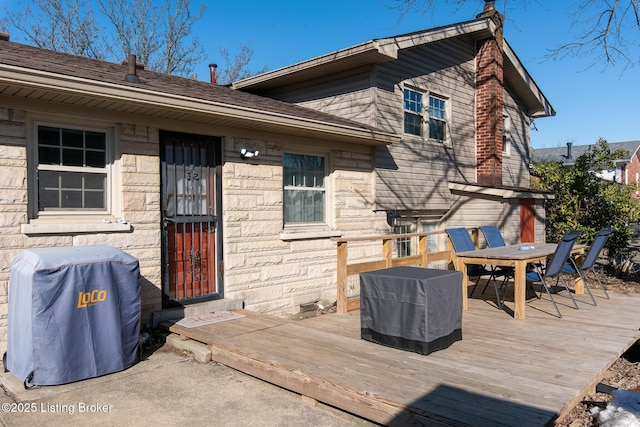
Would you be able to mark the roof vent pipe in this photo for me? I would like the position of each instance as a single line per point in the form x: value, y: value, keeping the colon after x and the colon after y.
x: 4, y: 36
x: 132, y: 75
x: 213, y: 71
x: 569, y: 144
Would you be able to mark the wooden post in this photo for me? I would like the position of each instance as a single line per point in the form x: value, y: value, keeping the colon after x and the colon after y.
x: 387, y: 252
x: 452, y: 255
x: 341, y: 299
x: 424, y: 256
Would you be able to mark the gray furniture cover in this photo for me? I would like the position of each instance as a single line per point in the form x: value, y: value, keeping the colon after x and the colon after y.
x: 74, y: 313
x: 410, y: 308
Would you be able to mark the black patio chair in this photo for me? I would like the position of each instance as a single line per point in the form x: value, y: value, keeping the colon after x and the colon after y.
x: 461, y: 242
x: 554, y: 269
x: 589, y: 262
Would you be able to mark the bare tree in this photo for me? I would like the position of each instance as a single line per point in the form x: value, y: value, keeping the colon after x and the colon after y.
x: 605, y: 30
x: 238, y: 68
x: 159, y: 34
x: 66, y: 26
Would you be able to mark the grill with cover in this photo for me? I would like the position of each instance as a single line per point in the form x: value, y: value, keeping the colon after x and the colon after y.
x: 74, y: 313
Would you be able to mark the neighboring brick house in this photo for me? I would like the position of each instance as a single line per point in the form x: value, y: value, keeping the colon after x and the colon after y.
x: 462, y: 102
x: 626, y: 169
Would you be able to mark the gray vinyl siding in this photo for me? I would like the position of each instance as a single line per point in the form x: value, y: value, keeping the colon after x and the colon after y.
x: 476, y: 211
x: 541, y: 217
x: 515, y: 167
x: 347, y: 95
x: 413, y: 175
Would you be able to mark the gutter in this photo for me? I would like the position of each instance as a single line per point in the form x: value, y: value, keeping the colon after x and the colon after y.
x: 505, y: 193
x: 47, y: 81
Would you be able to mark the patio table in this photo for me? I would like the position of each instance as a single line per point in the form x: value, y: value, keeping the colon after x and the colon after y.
x: 511, y: 256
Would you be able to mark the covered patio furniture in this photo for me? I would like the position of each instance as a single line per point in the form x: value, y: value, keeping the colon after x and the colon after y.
x: 411, y: 308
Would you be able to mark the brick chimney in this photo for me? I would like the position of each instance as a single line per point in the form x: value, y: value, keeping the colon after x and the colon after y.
x: 489, y: 100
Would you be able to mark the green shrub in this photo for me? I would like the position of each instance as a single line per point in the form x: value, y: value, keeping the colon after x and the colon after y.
x: 584, y: 201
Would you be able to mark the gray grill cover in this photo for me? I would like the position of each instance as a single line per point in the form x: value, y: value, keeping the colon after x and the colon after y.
x: 410, y: 308
x: 74, y: 313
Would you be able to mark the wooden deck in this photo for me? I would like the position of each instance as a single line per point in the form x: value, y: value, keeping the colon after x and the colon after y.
x: 504, y: 372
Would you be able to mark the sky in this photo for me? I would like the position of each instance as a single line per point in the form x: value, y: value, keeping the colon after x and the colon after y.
x: 590, y: 101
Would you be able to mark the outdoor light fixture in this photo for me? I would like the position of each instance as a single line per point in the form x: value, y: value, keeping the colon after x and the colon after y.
x: 393, y: 218
x: 247, y: 154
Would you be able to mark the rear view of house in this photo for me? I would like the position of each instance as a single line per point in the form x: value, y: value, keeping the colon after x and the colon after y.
x: 229, y: 198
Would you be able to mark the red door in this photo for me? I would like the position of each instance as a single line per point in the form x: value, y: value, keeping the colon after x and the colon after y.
x: 527, y: 220
x: 191, y: 226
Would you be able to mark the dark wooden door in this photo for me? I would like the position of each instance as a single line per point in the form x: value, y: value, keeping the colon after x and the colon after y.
x: 191, y: 209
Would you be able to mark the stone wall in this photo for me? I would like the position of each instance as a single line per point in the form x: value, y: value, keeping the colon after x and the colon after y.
x: 267, y: 270
x: 276, y: 274
x: 13, y: 201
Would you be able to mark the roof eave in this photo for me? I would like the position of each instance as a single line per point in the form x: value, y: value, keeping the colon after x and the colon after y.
x: 524, y: 85
x: 364, y: 53
x: 505, y: 193
x: 80, y: 87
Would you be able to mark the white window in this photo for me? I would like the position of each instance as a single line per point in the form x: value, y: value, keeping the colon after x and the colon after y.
x: 431, y: 240
x: 435, y: 114
x: 413, y: 112
x: 72, y: 179
x: 72, y: 169
x: 438, y: 118
x: 506, y: 136
x: 403, y: 244
x: 304, y: 189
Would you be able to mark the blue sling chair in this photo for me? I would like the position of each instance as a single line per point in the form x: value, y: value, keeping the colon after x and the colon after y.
x: 554, y: 269
x: 493, y: 236
x: 461, y: 242
x: 589, y: 262
x: 494, y: 239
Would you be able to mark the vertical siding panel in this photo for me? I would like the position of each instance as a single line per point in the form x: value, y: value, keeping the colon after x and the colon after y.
x: 515, y: 168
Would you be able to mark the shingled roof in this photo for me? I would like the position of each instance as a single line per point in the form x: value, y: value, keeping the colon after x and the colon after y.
x: 568, y: 154
x: 34, y: 73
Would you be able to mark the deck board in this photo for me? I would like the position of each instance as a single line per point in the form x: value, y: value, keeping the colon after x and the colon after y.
x: 503, y: 372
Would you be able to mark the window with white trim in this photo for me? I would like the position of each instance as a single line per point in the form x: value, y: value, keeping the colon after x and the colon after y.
x: 437, y: 118
x: 403, y: 244
x: 304, y: 189
x: 72, y: 169
x: 413, y: 112
x: 506, y: 136
x: 435, y: 115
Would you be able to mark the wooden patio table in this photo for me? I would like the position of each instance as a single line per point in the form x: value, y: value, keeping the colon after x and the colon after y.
x: 511, y: 256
